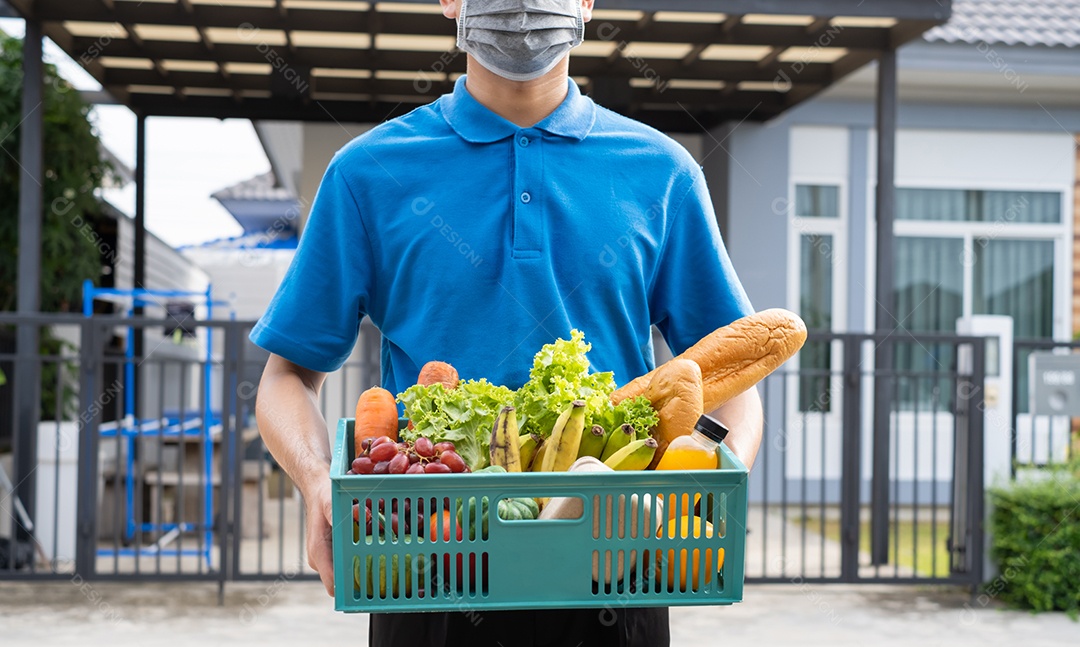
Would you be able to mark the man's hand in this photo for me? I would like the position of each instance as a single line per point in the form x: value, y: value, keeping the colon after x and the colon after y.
x: 294, y: 431
x: 319, y: 526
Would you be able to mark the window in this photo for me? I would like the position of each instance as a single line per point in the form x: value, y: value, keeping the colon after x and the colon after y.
x: 1016, y: 278
x: 1000, y: 261
x: 928, y: 283
x: 817, y: 201
x: 817, y: 221
x: 815, y: 307
x: 955, y: 205
x: 928, y: 297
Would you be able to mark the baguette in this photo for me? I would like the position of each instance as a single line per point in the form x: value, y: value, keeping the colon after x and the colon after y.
x: 675, y: 391
x: 735, y: 357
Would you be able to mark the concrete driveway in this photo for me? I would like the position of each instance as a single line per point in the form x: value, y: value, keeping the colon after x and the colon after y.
x: 290, y: 613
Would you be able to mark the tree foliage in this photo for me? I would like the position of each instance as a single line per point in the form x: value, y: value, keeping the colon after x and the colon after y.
x: 73, y: 171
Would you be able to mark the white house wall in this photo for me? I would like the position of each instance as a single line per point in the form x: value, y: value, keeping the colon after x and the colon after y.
x: 320, y: 142
x: 247, y: 279
x: 984, y: 159
x: 166, y: 268
x: 280, y: 140
x: 819, y: 152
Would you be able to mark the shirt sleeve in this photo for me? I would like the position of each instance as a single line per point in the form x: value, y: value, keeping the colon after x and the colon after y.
x: 314, y: 318
x: 695, y: 289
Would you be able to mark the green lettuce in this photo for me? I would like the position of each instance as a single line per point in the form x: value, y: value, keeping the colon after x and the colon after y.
x: 559, y: 375
x: 638, y: 412
x: 464, y: 416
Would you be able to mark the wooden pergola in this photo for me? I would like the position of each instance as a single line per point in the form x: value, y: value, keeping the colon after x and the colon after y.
x: 676, y: 65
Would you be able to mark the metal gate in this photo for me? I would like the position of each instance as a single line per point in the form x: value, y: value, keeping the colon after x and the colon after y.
x: 151, y: 466
x: 871, y: 465
x: 865, y: 474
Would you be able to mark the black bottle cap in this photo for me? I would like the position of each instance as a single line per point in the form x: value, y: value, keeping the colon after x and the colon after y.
x: 712, y: 428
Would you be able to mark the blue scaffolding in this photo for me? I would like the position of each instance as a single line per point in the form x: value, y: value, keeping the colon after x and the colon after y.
x: 196, y: 425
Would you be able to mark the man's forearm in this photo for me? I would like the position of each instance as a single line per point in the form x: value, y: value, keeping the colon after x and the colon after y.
x: 743, y: 416
x: 291, y: 424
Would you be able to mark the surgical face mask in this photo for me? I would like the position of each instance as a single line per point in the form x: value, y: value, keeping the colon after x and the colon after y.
x: 519, y: 40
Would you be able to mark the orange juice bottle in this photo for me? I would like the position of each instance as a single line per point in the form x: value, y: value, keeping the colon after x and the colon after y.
x: 698, y: 451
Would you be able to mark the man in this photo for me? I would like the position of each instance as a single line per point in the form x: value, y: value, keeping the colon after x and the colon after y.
x: 476, y: 229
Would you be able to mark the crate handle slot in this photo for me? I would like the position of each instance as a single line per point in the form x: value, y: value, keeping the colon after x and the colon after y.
x: 567, y: 509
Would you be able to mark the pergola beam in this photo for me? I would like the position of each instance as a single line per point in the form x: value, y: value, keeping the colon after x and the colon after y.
x: 361, y: 110
x: 411, y: 61
x: 930, y: 10
x: 206, y: 16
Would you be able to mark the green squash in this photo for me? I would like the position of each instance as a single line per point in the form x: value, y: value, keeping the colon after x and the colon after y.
x: 521, y: 509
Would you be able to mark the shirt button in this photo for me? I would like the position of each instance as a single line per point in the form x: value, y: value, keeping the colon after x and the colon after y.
x: 524, y: 141
x: 526, y: 198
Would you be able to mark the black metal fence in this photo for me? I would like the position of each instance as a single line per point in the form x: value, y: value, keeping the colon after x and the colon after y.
x: 152, y: 466
x: 822, y: 511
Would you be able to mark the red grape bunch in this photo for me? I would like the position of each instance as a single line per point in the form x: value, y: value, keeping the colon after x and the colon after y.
x: 384, y: 456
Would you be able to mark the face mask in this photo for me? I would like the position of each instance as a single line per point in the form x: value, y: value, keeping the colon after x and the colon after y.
x: 519, y: 40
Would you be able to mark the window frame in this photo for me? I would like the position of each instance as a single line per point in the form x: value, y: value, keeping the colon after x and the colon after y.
x: 1060, y: 234
x: 837, y: 227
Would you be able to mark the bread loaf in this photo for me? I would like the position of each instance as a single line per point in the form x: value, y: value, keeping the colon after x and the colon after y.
x: 736, y: 357
x: 675, y: 391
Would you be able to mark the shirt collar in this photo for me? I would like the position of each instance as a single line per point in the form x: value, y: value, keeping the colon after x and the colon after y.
x: 475, y: 123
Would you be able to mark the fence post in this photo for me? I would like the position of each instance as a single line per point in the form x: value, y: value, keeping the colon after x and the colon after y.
x: 851, y: 460
x: 236, y: 519
x: 230, y: 459
x: 884, y: 378
x: 976, y: 487
x: 89, y: 419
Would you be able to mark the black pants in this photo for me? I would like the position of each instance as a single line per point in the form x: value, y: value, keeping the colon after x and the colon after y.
x: 551, y: 628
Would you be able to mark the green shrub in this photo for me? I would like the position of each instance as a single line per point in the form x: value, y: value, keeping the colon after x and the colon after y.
x: 1035, y: 542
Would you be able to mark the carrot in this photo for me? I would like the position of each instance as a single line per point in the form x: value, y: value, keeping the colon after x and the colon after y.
x: 438, y: 373
x: 376, y: 415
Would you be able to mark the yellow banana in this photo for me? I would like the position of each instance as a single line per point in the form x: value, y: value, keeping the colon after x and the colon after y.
x: 565, y: 439
x: 551, y: 441
x: 616, y: 440
x: 635, y: 456
x: 538, y: 460
x: 504, y: 441
x: 592, y: 442
x: 528, y: 445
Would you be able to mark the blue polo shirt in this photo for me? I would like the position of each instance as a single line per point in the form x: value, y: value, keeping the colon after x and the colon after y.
x: 468, y: 239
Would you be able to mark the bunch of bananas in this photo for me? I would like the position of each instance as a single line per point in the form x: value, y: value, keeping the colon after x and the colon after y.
x: 529, y: 452
x: 568, y: 442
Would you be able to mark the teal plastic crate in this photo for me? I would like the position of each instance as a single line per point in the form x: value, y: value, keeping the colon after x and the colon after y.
x: 612, y: 556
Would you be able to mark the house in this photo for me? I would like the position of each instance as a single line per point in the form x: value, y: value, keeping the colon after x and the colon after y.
x: 246, y: 269
x: 987, y: 172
